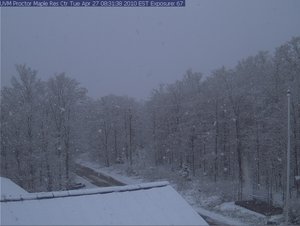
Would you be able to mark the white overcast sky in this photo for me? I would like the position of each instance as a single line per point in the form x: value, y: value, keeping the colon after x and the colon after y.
x: 130, y: 51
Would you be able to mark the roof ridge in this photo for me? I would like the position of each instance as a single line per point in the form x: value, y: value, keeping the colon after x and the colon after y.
x: 92, y: 191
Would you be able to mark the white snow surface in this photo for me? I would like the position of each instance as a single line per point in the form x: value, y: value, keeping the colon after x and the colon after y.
x: 9, y: 188
x: 145, y: 204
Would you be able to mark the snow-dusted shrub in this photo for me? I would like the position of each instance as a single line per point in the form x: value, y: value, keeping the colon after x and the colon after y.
x: 131, y: 172
x: 212, y: 201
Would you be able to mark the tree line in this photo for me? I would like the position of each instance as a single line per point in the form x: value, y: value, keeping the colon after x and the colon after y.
x: 231, y: 125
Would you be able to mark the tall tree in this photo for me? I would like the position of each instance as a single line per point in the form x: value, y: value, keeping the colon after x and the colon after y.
x: 63, y: 95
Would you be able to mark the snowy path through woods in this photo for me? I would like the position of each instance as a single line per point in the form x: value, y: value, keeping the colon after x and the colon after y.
x: 96, y: 178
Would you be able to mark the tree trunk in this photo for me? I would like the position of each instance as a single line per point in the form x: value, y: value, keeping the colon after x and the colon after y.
x: 106, y: 149
x: 239, y: 158
x: 130, y: 137
x: 193, y: 150
x: 295, y: 133
x: 216, y: 142
x: 115, y: 144
x: 257, y: 159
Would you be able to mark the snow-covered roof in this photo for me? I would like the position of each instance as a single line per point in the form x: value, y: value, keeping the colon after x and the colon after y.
x: 145, y: 204
x: 10, y: 189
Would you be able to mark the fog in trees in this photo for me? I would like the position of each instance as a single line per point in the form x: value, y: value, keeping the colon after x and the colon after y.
x: 230, y: 126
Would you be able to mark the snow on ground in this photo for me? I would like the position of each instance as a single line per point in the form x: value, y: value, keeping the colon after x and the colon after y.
x: 226, y: 213
x: 218, y: 218
x: 205, y: 208
x: 221, y: 212
x: 230, y: 206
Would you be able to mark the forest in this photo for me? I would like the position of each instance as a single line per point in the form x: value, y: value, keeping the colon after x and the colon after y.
x: 228, y: 126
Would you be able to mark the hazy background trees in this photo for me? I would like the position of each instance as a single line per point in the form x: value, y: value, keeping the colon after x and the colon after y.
x: 113, y: 129
x: 229, y: 126
x: 233, y: 122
